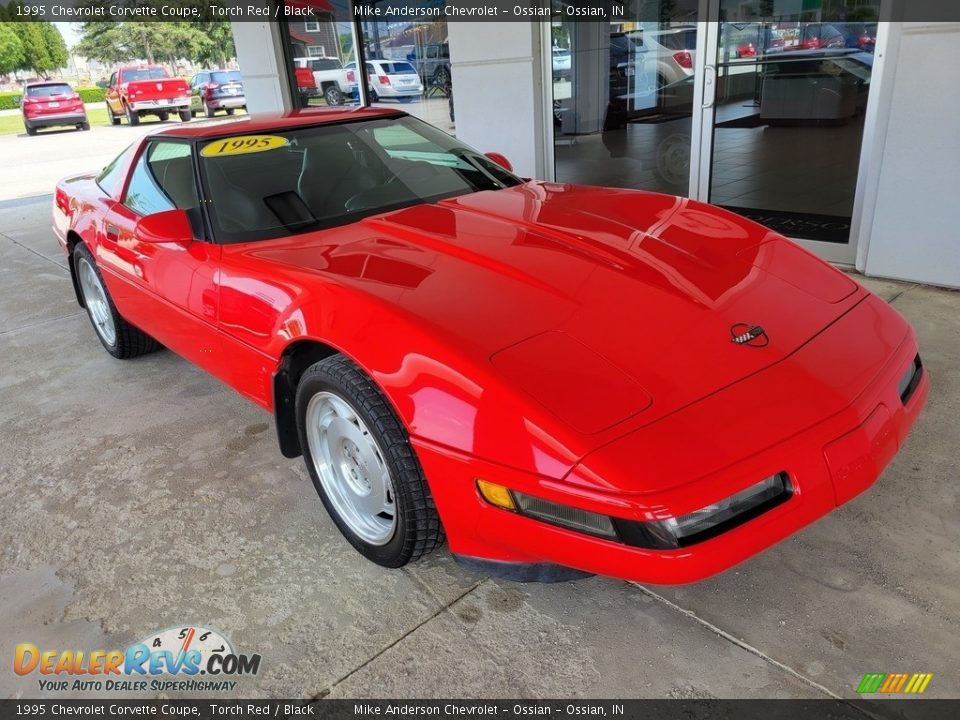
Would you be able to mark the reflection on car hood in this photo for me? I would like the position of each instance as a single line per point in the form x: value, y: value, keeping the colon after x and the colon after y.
x: 644, y: 287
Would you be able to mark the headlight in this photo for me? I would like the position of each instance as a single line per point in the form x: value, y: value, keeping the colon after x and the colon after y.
x: 710, y: 520
x: 668, y: 534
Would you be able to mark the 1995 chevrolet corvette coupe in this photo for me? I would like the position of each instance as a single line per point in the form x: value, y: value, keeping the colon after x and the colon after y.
x: 557, y: 379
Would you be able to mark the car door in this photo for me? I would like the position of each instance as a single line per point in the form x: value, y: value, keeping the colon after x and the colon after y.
x: 171, y: 290
x: 113, y: 96
x: 196, y: 89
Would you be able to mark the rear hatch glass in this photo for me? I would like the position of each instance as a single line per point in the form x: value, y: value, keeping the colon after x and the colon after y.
x: 41, y: 91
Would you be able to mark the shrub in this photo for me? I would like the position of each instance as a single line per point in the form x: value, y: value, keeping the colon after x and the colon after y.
x: 92, y: 94
x: 9, y: 100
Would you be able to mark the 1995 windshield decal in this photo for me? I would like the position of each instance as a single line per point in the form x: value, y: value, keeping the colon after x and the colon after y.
x: 180, y: 651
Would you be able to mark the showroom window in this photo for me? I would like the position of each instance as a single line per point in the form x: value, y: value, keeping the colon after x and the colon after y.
x: 408, y: 65
x: 321, y: 55
x: 776, y: 135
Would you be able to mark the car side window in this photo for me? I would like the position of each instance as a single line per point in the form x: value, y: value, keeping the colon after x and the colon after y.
x: 110, y: 178
x: 370, y: 69
x: 113, y: 79
x: 162, y: 179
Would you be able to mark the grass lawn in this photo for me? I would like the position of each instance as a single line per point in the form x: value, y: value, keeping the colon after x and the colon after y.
x: 13, y: 124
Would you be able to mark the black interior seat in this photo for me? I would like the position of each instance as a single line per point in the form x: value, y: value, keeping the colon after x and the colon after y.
x: 331, y: 175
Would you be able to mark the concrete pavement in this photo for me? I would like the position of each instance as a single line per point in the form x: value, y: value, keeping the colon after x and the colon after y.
x: 142, y: 495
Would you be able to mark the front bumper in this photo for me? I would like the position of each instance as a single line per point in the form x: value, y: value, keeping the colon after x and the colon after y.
x: 830, y: 461
x: 68, y: 118
x: 160, y: 105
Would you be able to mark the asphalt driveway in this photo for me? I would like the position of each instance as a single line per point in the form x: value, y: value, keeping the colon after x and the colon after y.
x: 142, y: 495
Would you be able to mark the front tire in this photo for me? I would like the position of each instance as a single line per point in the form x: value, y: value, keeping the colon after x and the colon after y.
x: 118, y: 337
x: 164, y: 116
x: 362, y: 465
x: 114, y: 120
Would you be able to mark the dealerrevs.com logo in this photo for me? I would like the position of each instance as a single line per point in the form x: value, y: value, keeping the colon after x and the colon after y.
x: 171, y: 660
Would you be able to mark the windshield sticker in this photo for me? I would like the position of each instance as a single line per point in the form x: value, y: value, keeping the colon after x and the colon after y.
x: 243, y: 144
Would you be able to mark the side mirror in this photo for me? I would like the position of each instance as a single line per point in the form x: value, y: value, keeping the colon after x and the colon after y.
x: 169, y: 226
x: 500, y: 160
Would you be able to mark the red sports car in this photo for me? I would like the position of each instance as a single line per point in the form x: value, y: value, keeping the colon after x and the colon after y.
x: 558, y: 379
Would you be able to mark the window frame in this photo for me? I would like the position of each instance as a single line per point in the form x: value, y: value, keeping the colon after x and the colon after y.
x: 142, y: 153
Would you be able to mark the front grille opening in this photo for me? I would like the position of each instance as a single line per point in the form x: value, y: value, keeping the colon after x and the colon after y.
x: 910, y: 380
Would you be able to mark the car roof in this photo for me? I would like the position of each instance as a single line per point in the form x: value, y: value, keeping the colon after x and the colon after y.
x: 266, y: 123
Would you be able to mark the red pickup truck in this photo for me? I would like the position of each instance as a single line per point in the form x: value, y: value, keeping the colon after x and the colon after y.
x: 138, y: 90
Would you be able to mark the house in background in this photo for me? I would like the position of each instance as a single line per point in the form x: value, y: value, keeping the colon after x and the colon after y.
x: 315, y: 38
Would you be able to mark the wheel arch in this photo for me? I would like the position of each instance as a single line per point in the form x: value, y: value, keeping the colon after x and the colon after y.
x: 74, y: 239
x: 295, y: 359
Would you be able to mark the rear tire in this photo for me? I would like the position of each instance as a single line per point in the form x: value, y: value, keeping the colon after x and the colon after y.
x: 230, y: 111
x: 31, y: 131
x: 84, y: 126
x: 133, y: 118
x: 333, y: 95
x: 118, y: 337
x: 185, y: 115
x: 208, y: 111
x: 362, y: 465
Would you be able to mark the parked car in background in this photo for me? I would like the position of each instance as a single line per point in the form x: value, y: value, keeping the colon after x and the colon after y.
x: 433, y: 63
x: 668, y: 55
x: 52, y: 104
x: 561, y: 63
x: 392, y: 79
x: 858, y: 35
x: 138, y: 90
x: 212, y: 90
x: 817, y: 36
x: 334, y: 82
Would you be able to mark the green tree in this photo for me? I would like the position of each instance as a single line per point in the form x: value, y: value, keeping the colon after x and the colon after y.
x: 56, y: 47
x: 11, y: 49
x: 36, y: 57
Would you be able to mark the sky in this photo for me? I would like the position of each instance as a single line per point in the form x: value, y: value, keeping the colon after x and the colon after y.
x: 70, y: 32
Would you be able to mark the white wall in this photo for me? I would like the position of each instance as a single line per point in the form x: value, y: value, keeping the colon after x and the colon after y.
x: 260, y: 57
x: 498, y: 91
x: 911, y: 214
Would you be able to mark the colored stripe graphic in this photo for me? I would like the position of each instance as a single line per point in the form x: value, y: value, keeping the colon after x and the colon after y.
x: 892, y: 683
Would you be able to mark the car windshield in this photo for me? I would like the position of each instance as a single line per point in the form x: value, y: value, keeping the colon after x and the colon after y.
x: 287, y: 182
x: 153, y: 73
x: 398, y: 68
x: 225, y: 77
x: 48, y: 90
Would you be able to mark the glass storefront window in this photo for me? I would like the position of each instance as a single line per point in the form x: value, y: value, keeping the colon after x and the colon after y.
x: 322, y: 54
x: 623, y: 96
x: 408, y: 65
x: 791, y: 95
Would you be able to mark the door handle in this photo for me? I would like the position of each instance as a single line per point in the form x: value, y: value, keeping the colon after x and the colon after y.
x: 709, y: 86
x: 112, y: 232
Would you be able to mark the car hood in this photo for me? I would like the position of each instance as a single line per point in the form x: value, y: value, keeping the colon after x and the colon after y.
x: 601, y: 305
